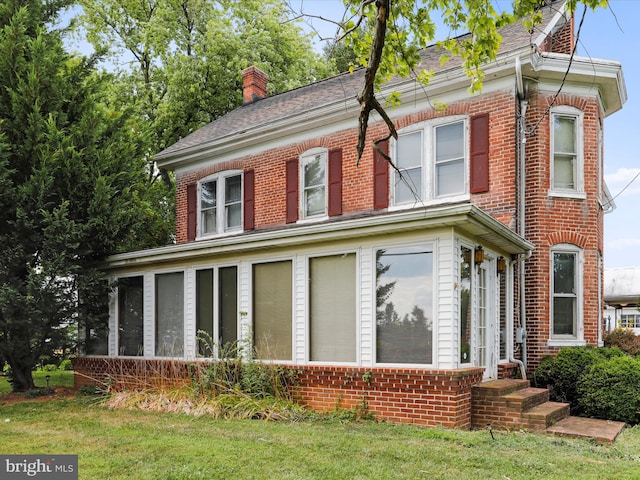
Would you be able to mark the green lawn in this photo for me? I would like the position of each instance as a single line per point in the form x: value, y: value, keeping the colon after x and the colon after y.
x: 59, y: 378
x: 123, y: 444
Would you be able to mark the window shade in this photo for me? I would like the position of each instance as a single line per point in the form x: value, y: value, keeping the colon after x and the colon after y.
x: 332, y: 285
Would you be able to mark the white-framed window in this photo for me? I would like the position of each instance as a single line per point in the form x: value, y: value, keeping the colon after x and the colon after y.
x: 332, y: 308
x: 217, y: 311
x: 220, y: 203
x: 404, y: 304
x: 432, y: 162
x: 169, y: 314
x: 567, y: 162
x: 566, y: 294
x: 131, y: 316
x: 630, y: 320
x: 313, y: 183
x: 272, y: 309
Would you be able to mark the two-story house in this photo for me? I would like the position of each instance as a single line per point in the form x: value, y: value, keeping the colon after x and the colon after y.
x: 475, y: 254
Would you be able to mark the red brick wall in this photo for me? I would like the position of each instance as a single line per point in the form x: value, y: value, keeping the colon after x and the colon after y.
x: 550, y: 220
x: 405, y: 395
x: 553, y: 220
x: 269, y: 166
x: 562, y: 41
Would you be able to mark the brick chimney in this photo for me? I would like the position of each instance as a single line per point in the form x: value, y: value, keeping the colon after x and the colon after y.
x: 562, y: 39
x: 254, y: 84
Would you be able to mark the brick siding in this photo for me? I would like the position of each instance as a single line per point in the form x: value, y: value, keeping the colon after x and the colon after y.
x: 403, y: 395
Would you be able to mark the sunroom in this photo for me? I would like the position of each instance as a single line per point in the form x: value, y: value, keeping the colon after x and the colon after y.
x: 421, y: 288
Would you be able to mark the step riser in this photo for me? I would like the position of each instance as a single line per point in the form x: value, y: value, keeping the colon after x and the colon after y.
x: 513, y: 404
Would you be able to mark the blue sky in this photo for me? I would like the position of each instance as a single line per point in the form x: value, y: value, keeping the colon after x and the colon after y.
x: 610, y: 34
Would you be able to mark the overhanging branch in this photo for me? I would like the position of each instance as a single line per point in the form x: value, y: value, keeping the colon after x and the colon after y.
x: 366, y: 97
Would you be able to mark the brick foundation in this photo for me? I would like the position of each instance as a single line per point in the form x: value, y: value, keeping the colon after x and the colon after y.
x: 404, y: 395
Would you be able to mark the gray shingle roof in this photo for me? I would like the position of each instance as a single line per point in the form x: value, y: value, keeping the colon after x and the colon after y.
x: 344, y: 86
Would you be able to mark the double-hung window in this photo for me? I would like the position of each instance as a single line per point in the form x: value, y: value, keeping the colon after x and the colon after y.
x: 566, y: 293
x: 313, y: 183
x: 431, y: 163
x: 566, y: 152
x: 220, y: 206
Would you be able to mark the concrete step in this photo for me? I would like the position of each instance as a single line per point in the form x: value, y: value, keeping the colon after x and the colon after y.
x: 604, y: 431
x: 541, y: 417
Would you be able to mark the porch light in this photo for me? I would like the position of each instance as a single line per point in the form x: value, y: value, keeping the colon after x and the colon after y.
x: 479, y: 255
x: 501, y: 265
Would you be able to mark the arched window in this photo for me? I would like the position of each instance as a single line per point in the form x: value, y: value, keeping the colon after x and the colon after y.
x: 220, y: 203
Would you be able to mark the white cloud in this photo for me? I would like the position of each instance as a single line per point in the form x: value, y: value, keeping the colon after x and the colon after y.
x: 620, y: 179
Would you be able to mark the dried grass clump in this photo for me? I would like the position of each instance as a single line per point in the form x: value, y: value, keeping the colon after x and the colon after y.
x: 225, y: 406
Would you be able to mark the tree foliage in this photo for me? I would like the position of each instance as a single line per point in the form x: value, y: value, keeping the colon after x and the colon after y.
x: 73, y: 188
x: 396, y: 31
x: 185, y: 57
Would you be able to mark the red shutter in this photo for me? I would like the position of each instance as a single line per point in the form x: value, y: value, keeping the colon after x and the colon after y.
x: 479, y: 169
x: 335, y: 182
x: 192, y: 211
x: 249, y: 200
x: 292, y: 191
x: 381, y: 176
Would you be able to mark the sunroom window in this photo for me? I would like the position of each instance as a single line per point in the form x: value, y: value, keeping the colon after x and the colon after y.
x: 130, y: 316
x: 217, y: 311
x: 169, y: 314
x: 273, y: 310
x: 404, y: 305
x: 332, y: 308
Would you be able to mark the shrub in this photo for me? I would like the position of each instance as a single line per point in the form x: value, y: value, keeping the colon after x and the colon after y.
x: 66, y: 364
x: 50, y: 367
x: 39, y: 392
x: 624, y: 339
x: 611, y: 390
x: 561, y: 373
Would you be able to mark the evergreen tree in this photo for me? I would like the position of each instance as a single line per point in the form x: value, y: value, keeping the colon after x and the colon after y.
x: 72, y: 188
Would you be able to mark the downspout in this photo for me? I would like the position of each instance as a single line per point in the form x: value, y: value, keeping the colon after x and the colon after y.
x: 521, y: 332
x: 521, y: 139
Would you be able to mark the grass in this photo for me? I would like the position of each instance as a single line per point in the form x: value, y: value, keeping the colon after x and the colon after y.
x: 125, y: 444
x: 58, y: 378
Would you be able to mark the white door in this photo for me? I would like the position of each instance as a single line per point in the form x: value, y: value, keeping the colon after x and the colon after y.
x: 484, y: 332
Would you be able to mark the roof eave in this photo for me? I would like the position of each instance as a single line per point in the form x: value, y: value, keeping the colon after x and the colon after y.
x: 466, y: 218
x: 445, y: 81
x: 604, y: 75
